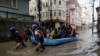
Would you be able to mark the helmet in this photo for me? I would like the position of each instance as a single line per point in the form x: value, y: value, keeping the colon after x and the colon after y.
x: 34, y: 26
x: 12, y: 29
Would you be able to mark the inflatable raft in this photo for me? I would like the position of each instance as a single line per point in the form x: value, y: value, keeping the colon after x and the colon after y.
x: 54, y: 42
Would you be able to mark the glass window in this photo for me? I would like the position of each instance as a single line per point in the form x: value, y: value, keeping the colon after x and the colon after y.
x: 6, y: 2
x: 35, y: 9
x: 63, y: 13
x: 9, y: 3
x: 43, y: 14
x: 46, y: 5
x: 59, y: 2
x: 30, y: 10
x: 14, y: 3
x: 50, y: 13
x: 54, y: 12
x: 59, y: 12
x: 54, y: 1
x: 46, y: 14
x: 43, y: 5
x: 50, y: 2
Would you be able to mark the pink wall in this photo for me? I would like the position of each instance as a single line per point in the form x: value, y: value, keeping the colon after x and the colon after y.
x: 74, y: 13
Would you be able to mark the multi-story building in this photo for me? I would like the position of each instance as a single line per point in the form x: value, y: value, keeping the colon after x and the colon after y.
x: 53, y: 12
x: 33, y: 9
x: 15, y: 10
x: 73, y: 13
x: 85, y: 17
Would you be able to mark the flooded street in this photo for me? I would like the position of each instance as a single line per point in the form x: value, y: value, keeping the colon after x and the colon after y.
x: 82, y: 47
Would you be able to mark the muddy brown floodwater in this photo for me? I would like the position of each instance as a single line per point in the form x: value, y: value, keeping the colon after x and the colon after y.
x: 7, y: 49
x: 78, y: 48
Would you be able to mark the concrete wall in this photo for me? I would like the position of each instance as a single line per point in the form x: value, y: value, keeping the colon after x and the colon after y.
x: 23, y: 7
x: 74, y: 13
x: 18, y: 12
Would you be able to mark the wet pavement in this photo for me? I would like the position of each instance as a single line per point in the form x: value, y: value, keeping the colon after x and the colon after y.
x: 85, y: 46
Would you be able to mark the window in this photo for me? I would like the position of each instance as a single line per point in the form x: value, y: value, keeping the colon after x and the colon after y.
x: 59, y: 12
x: 72, y: 12
x: 59, y: 2
x: 50, y: 13
x: 9, y: 3
x: 43, y: 5
x: 46, y: 5
x: 35, y: 9
x: 14, y: 3
x: 63, y: 13
x: 50, y: 2
x: 54, y: 1
x: 54, y: 12
x: 46, y: 14
x: 30, y: 10
x: 43, y: 14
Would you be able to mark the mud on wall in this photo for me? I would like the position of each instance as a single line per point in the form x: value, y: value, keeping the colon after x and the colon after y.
x: 5, y: 25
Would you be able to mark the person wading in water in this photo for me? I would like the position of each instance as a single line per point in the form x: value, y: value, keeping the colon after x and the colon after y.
x: 17, y: 37
x: 40, y: 39
x: 27, y: 32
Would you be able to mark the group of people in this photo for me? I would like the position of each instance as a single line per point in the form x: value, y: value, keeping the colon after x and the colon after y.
x: 61, y: 32
x: 20, y: 37
x: 39, y: 33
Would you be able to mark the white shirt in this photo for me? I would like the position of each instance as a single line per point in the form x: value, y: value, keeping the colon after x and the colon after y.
x: 36, y: 32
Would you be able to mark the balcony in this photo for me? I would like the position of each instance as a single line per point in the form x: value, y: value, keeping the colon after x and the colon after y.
x: 72, y: 7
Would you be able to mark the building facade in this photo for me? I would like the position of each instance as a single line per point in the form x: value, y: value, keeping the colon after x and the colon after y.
x: 33, y: 9
x: 15, y: 10
x: 85, y: 18
x: 53, y: 12
x: 73, y: 15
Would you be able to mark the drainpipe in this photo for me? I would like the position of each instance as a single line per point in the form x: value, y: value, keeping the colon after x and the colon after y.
x: 93, y: 17
x: 39, y: 9
x: 51, y: 13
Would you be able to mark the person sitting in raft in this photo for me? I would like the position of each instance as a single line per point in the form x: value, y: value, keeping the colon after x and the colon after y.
x: 74, y: 33
x: 52, y: 33
x: 48, y: 33
x: 59, y: 33
x: 17, y: 37
x: 69, y: 31
x: 27, y: 32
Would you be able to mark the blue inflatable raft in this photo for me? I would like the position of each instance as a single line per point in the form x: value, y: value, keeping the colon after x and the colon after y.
x: 54, y: 42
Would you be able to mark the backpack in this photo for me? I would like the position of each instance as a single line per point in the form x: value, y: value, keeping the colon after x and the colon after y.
x: 18, y: 36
